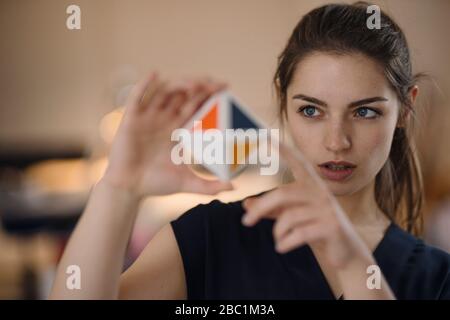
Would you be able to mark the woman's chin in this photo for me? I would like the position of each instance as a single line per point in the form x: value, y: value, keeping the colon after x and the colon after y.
x: 342, y: 188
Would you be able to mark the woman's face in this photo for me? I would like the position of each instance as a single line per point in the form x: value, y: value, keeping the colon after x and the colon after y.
x: 341, y: 108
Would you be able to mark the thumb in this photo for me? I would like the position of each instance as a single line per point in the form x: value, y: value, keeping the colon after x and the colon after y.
x: 196, y: 184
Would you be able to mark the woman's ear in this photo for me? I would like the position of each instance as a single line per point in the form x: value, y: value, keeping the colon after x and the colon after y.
x: 413, y: 92
x: 404, y: 116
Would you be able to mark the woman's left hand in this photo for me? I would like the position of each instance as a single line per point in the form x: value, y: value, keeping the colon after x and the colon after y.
x: 306, y: 212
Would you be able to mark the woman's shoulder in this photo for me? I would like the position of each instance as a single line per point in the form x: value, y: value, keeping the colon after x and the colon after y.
x: 218, y: 224
x: 204, y: 211
x: 421, y: 252
x: 219, y: 210
x: 416, y: 269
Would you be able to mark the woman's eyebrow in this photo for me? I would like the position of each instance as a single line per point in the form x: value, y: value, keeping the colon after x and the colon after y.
x: 351, y: 105
x: 366, y: 101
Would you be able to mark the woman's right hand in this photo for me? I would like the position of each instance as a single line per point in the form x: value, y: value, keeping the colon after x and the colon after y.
x: 140, y: 161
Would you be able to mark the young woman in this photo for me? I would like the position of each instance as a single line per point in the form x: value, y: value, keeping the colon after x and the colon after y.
x: 346, y: 95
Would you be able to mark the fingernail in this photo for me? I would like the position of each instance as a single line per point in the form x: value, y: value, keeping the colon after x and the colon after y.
x: 247, y: 203
x: 229, y: 184
x: 246, y: 220
x: 278, y: 248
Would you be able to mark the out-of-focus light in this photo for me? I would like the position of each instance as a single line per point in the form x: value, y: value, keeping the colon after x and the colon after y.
x: 58, y: 176
x: 97, y: 169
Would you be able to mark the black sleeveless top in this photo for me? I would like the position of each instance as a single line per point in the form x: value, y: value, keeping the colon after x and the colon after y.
x: 223, y: 259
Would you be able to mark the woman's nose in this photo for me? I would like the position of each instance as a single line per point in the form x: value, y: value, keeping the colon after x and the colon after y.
x: 337, y: 138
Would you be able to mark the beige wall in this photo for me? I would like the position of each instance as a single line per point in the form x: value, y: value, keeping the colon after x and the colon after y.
x: 55, y: 83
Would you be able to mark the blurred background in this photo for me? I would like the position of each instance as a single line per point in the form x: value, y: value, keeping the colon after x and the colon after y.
x: 61, y: 93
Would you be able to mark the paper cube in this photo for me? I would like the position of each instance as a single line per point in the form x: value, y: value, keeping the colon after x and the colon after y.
x: 226, y: 150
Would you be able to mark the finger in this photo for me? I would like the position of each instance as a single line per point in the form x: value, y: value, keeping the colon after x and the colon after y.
x: 301, y: 235
x: 247, y: 203
x: 187, y: 110
x: 216, y: 86
x: 158, y: 96
x: 186, y: 90
x: 184, y: 85
x: 195, y: 184
x: 210, y: 83
x: 174, y: 95
x: 271, y: 201
x: 203, y: 90
x: 177, y: 97
x: 207, y: 83
x: 290, y: 218
x: 139, y: 89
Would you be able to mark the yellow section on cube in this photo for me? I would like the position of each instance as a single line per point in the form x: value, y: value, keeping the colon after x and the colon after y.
x: 240, y: 158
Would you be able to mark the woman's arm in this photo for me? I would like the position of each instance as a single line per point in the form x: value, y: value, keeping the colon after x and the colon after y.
x: 306, y: 212
x: 97, y: 245
x: 139, y: 166
x: 353, y: 278
x: 158, y: 273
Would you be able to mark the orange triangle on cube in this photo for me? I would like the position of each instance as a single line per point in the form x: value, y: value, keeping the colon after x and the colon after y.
x: 209, y: 121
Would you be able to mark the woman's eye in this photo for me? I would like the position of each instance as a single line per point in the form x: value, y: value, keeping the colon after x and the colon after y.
x: 367, y: 113
x: 308, y: 111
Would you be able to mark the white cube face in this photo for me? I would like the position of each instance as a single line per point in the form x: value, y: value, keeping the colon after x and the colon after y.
x: 224, y: 136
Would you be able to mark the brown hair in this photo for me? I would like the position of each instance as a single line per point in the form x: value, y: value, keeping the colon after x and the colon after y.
x: 342, y: 29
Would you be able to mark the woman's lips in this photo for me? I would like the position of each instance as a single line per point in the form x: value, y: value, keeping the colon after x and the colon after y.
x: 336, y: 175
